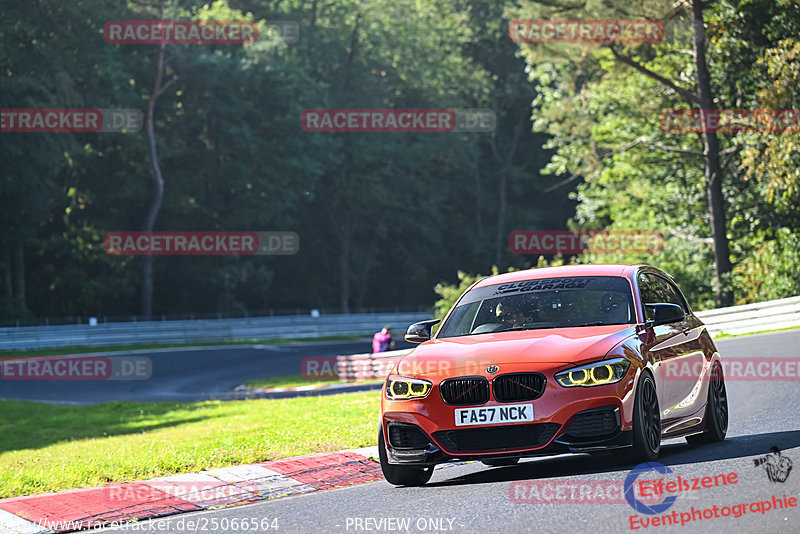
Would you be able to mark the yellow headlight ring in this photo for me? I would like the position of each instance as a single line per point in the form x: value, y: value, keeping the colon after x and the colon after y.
x: 409, y: 393
x: 585, y: 377
x: 605, y: 381
x: 588, y: 376
x: 420, y: 394
x: 398, y: 395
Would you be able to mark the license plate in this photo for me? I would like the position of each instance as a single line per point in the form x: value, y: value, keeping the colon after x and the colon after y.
x: 513, y: 413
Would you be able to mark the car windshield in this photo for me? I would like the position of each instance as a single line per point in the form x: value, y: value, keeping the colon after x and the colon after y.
x: 542, y: 303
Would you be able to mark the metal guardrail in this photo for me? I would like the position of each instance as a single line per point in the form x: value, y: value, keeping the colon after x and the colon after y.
x: 37, y: 337
x: 744, y: 319
x: 774, y: 314
x: 748, y: 318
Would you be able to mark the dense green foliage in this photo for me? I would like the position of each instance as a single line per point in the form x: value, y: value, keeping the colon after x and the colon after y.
x: 382, y: 218
x: 603, y: 119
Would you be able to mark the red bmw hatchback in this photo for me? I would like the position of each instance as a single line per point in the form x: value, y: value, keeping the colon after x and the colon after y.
x: 580, y: 358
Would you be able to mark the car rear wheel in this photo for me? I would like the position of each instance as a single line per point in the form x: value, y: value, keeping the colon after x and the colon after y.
x: 646, y: 421
x: 401, y: 475
x: 500, y: 462
x: 716, y: 411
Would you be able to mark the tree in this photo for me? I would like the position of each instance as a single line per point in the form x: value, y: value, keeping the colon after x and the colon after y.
x: 703, y: 97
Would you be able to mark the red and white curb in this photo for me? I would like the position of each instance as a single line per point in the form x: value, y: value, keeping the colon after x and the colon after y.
x: 229, y: 486
x: 333, y: 386
x: 336, y: 386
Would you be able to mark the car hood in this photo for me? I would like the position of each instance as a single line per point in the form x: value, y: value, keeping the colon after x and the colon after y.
x: 470, y: 355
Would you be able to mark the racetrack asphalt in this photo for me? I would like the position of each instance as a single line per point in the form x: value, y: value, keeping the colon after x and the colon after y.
x: 475, y: 498
x: 190, y: 374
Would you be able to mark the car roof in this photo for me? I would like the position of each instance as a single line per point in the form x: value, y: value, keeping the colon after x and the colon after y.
x: 601, y: 269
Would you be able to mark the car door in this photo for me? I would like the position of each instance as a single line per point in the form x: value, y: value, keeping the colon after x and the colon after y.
x: 678, y: 351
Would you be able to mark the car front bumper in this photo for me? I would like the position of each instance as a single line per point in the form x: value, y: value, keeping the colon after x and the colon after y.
x: 566, y: 420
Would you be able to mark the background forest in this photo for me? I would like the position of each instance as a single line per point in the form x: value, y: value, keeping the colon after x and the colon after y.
x: 384, y: 218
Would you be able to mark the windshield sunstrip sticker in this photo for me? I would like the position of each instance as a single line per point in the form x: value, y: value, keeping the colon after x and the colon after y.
x: 542, y: 285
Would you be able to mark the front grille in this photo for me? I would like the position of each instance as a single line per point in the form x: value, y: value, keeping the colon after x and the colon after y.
x: 596, y: 422
x: 518, y: 387
x: 407, y: 436
x: 496, y: 438
x: 463, y: 391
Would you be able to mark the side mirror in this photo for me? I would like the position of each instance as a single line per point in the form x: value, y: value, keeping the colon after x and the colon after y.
x: 419, y: 332
x: 664, y: 313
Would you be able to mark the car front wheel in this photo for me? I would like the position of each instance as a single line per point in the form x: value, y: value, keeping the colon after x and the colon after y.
x: 401, y: 475
x: 646, y: 421
x: 716, y: 411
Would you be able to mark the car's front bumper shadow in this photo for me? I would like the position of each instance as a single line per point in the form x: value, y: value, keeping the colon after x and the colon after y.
x: 433, y: 455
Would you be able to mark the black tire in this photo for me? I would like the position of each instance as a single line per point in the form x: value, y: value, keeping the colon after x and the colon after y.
x: 646, y: 422
x: 716, y: 411
x: 401, y: 475
x: 500, y: 462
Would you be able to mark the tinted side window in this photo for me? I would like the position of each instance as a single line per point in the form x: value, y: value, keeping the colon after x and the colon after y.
x: 647, y: 289
x: 464, y: 316
x: 670, y: 292
x: 654, y: 288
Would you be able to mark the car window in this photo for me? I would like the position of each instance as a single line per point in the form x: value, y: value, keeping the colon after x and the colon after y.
x: 464, y: 317
x: 544, y: 303
x: 654, y: 288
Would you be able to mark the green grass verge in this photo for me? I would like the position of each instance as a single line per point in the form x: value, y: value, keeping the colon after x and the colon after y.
x: 723, y: 335
x: 293, y: 381
x: 61, y: 351
x: 46, y: 447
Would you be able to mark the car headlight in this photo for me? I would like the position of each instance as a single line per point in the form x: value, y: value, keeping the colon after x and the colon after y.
x: 594, y: 374
x: 401, y: 387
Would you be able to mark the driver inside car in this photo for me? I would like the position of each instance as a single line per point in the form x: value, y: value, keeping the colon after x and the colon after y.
x: 509, y: 315
x: 615, y: 308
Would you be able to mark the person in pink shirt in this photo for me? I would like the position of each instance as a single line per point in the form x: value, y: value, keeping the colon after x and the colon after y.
x: 382, y: 341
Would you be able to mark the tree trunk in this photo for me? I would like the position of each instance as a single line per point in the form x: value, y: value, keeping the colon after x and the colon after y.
x: 713, y: 169
x: 7, y: 284
x: 343, y: 220
x: 19, y: 277
x: 344, y: 273
x: 158, y: 183
x: 478, y: 207
x: 502, y: 202
x: 501, y: 241
x: 367, y: 264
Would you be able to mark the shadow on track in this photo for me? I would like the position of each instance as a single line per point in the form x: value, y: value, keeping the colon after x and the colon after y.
x: 671, y: 454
